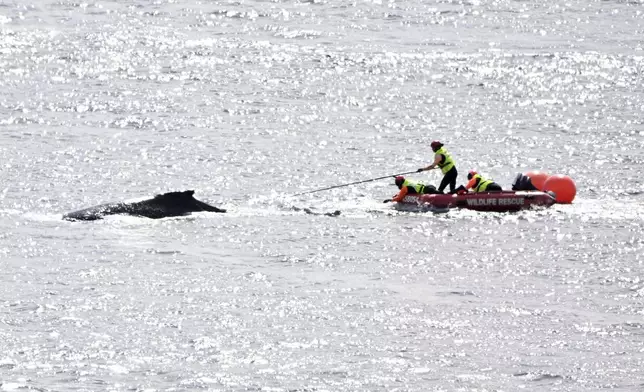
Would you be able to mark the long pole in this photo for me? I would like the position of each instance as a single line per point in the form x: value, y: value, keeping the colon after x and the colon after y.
x: 354, y: 183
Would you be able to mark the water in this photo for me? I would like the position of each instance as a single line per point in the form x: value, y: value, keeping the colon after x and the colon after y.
x: 250, y: 102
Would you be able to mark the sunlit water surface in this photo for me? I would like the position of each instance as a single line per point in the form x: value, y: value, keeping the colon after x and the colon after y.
x: 251, y: 102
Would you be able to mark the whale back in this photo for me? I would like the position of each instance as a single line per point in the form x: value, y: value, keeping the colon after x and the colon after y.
x: 184, y: 200
x: 97, y: 212
x: 161, y: 206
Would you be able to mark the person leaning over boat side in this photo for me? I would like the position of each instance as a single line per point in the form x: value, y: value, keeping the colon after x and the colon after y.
x: 478, y: 183
x: 445, y: 162
x: 410, y: 188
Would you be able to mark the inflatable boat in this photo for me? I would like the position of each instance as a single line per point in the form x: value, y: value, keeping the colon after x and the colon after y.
x: 504, y: 201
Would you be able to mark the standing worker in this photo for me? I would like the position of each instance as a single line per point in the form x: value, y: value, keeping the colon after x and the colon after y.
x: 444, y: 161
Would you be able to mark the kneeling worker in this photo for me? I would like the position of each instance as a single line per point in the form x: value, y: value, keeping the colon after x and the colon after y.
x: 479, y: 184
x: 410, y: 188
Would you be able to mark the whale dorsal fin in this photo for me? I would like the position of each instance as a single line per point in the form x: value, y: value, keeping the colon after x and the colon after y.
x: 180, y: 195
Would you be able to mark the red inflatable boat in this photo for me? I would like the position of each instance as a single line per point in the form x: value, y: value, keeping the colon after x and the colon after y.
x: 504, y: 201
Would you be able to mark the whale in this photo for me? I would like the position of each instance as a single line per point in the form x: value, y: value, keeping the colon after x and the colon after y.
x: 160, y: 206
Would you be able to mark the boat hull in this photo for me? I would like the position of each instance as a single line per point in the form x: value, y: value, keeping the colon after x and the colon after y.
x: 505, y: 201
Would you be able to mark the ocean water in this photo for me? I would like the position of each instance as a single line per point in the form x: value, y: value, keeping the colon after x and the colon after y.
x: 251, y: 102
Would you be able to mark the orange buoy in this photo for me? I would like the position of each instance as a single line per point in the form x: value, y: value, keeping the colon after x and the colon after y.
x: 538, y: 178
x: 563, y: 187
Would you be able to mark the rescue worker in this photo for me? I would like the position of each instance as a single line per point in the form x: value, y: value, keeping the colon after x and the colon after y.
x: 444, y: 161
x: 410, y: 188
x: 478, y: 183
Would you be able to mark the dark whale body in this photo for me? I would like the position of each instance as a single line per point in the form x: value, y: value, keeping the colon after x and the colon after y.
x: 161, y: 206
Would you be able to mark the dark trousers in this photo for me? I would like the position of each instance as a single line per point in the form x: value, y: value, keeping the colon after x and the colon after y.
x: 429, y: 190
x: 494, y: 187
x: 449, y: 179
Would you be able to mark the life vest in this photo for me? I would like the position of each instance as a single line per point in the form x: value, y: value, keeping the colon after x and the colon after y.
x: 447, y: 163
x: 481, y: 183
x: 413, y: 187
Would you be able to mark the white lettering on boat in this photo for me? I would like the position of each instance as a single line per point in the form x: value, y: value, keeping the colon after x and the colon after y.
x: 511, y: 201
x: 502, y: 201
x: 410, y: 199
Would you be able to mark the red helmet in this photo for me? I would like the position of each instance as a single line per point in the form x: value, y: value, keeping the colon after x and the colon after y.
x: 471, y: 174
x: 399, y: 181
x: 436, y: 145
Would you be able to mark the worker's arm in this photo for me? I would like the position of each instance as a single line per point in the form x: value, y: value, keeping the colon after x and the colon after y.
x: 437, y: 160
x: 401, y: 195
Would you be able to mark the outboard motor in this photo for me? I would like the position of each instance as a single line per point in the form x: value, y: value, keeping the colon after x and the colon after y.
x: 523, y: 183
